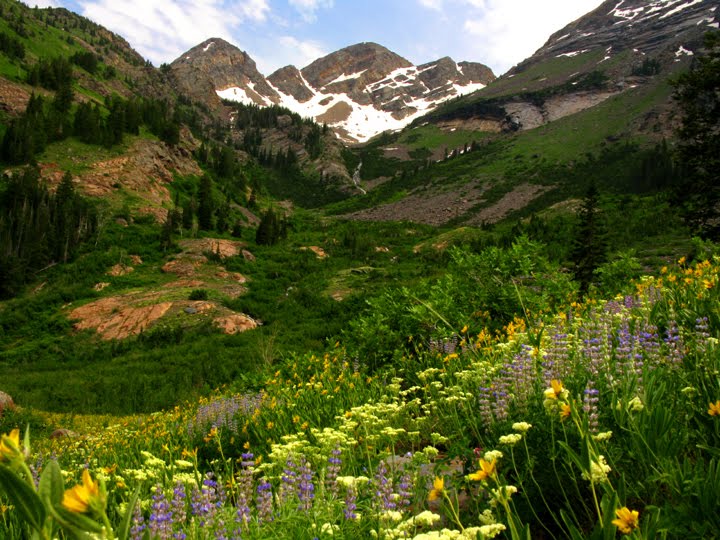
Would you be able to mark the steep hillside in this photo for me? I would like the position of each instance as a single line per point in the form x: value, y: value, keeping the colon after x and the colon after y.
x: 359, y: 91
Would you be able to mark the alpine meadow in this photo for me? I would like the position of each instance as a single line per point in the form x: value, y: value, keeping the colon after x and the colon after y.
x: 363, y: 298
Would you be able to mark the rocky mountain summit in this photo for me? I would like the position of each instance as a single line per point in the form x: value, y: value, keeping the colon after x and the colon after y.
x: 666, y: 29
x: 359, y: 91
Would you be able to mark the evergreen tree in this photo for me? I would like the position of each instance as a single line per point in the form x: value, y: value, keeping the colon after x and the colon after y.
x: 697, y: 93
x: 590, y: 240
x: 268, y: 231
x: 206, y: 205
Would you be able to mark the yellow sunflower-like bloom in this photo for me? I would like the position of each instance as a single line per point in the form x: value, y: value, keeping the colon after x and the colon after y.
x: 438, y: 489
x: 627, y: 521
x: 565, y: 411
x: 487, y: 470
x: 85, y: 496
x: 714, y: 408
x: 10, y: 446
x: 555, y: 391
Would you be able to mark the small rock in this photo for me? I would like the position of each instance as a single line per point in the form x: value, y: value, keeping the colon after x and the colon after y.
x: 191, y: 310
x: 120, y: 270
x: 62, y: 432
x: 122, y: 222
x: 136, y: 260
x: 234, y: 324
x: 248, y: 256
x: 100, y: 286
x: 6, y: 402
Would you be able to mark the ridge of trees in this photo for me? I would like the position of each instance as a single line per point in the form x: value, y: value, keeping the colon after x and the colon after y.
x: 39, y: 228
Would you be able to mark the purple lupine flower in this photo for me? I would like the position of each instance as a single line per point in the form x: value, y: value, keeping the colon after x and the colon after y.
x: 350, y: 502
x: 305, y: 488
x: 204, y: 501
x: 333, y: 470
x: 263, y: 501
x: 161, y: 518
x: 222, y: 413
x: 405, y: 488
x: 178, y: 504
x: 702, y: 333
x: 138, y: 523
x: 556, y: 364
x: 649, y: 343
x: 673, y: 341
x: 245, y: 485
x: 590, y: 406
x: 288, y: 480
x: 484, y: 408
x: 383, y: 488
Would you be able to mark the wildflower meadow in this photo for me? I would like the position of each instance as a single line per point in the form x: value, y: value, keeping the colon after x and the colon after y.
x: 597, y: 419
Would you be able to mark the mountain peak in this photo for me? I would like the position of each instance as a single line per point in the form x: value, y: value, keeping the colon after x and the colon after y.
x: 360, y: 90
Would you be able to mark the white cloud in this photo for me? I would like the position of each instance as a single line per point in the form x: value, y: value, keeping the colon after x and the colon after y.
x: 437, y: 5
x: 504, y: 32
x: 42, y: 3
x: 161, y: 30
x: 307, y: 8
x: 291, y: 51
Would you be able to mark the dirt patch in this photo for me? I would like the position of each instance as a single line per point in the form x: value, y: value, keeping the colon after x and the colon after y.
x: 120, y: 270
x: 112, y: 318
x: 235, y: 324
x: 185, y: 267
x: 145, y: 169
x: 517, y: 199
x: 219, y: 246
x: 339, y: 112
x: 185, y: 283
x: 318, y: 251
x: 471, y: 124
x: 232, y: 276
x: 100, y: 286
x: 398, y: 152
x: 13, y: 97
x: 425, y: 206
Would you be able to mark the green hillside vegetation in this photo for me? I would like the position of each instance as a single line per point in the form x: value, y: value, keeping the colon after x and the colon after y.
x: 549, y: 374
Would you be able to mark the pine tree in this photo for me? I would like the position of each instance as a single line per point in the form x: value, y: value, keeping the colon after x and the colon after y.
x: 590, y: 241
x: 206, y: 205
x: 697, y: 93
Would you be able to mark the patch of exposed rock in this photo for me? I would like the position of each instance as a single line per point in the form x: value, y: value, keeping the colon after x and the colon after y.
x: 235, y: 324
x: 112, y: 318
x: 6, y: 402
x: 119, y: 270
x: 185, y: 266
x: 317, y: 250
x: 223, y: 248
x: 144, y: 170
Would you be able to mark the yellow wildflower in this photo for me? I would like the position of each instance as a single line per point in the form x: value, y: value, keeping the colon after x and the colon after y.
x: 84, y: 497
x: 10, y: 446
x: 487, y: 470
x: 714, y: 408
x: 565, y: 411
x: 555, y: 391
x: 438, y: 489
x: 627, y: 519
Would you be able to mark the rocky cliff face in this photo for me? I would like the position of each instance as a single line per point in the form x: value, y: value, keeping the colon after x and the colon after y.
x: 663, y: 29
x: 216, y: 64
x: 359, y: 91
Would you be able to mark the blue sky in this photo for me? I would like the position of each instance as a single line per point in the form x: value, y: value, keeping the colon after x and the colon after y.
x: 499, y: 33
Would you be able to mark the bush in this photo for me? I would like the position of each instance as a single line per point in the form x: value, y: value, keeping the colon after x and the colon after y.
x: 198, y: 294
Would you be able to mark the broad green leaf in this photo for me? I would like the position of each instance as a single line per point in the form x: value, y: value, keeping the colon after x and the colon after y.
x: 124, y: 529
x: 23, y: 497
x: 74, y: 521
x: 51, y: 488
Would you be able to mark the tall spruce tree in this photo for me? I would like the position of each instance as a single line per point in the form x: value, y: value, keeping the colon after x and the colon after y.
x: 698, y: 194
x: 590, y: 240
